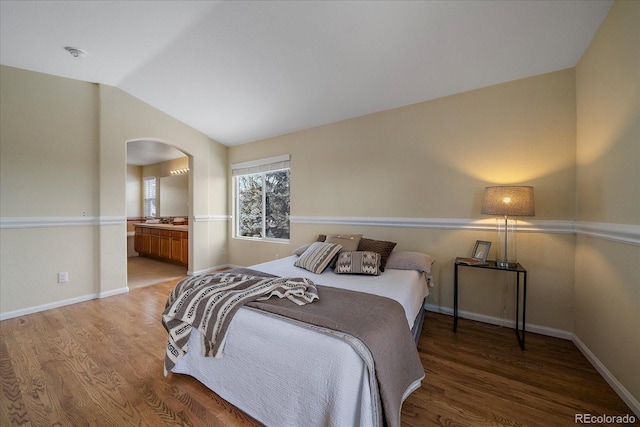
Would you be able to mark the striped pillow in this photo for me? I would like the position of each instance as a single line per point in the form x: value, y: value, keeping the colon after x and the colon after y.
x: 355, y: 262
x: 318, y: 256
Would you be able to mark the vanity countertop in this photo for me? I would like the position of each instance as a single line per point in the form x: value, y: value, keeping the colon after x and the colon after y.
x: 164, y: 226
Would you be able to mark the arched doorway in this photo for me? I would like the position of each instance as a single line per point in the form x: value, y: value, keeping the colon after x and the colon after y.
x: 158, y: 189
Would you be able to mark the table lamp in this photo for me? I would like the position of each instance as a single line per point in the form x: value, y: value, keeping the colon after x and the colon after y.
x: 507, y: 201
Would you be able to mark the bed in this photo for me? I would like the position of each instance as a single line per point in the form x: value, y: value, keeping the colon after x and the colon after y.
x: 287, y: 373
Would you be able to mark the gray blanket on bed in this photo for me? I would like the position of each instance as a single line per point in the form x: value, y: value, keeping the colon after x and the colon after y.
x: 376, y: 321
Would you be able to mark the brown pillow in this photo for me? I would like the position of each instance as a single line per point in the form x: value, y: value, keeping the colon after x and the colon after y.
x: 382, y: 247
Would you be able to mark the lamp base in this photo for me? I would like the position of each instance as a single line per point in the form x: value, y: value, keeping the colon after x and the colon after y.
x: 506, y: 264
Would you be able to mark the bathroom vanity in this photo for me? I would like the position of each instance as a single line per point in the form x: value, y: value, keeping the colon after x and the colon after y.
x: 165, y: 242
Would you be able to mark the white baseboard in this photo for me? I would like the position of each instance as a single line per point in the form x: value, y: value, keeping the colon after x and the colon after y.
x: 536, y: 329
x: 61, y: 303
x: 624, y: 394
x: 210, y: 269
x: 48, y: 306
x: 113, y: 292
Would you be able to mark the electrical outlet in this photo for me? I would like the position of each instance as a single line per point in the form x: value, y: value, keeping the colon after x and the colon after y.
x: 277, y: 256
x: 224, y: 250
x: 63, y: 277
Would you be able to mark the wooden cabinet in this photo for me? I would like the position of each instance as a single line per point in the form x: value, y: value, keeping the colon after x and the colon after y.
x: 185, y: 247
x: 142, y: 240
x: 155, y: 243
x: 137, y: 240
x: 179, y: 246
x: 163, y: 243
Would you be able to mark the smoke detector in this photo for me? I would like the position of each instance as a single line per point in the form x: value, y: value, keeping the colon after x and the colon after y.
x: 75, y: 52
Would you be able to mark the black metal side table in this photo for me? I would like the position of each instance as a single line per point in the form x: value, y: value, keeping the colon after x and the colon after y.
x: 491, y: 265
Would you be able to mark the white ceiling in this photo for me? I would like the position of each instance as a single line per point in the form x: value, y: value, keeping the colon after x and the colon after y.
x: 241, y: 71
x: 142, y: 153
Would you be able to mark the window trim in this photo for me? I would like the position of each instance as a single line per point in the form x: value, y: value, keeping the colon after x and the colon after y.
x: 255, y: 167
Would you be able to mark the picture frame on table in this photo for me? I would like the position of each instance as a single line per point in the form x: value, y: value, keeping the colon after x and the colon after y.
x: 481, y: 250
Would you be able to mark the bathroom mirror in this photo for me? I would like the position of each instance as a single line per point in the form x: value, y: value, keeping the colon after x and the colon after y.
x: 174, y: 196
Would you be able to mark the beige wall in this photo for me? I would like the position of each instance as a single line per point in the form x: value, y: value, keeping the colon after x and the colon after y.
x: 52, y: 119
x: 48, y: 169
x: 607, y: 286
x: 134, y: 191
x: 124, y: 118
x: 433, y: 160
x: 64, y: 179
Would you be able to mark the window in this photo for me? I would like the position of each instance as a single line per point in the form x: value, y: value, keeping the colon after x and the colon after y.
x: 149, y: 196
x: 262, y: 196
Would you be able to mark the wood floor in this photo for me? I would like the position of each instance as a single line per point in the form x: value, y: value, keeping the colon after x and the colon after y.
x: 99, y: 363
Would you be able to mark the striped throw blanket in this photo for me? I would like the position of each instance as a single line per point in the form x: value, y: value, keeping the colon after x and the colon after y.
x: 208, y: 303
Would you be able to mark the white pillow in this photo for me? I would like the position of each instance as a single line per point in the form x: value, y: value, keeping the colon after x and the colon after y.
x: 318, y: 256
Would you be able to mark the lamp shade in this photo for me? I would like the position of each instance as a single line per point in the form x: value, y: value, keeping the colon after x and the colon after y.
x: 508, y: 201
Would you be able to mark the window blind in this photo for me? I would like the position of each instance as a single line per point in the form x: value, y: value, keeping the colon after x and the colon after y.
x: 149, y: 196
x: 263, y: 165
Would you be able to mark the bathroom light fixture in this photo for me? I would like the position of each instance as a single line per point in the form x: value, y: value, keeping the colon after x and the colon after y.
x: 182, y: 171
x: 75, y: 52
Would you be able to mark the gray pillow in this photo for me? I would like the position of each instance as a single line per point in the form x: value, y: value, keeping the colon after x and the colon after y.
x: 301, y: 249
x: 403, y: 260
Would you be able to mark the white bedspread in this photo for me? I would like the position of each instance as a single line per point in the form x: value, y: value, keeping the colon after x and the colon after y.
x: 283, y: 374
x: 408, y: 287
